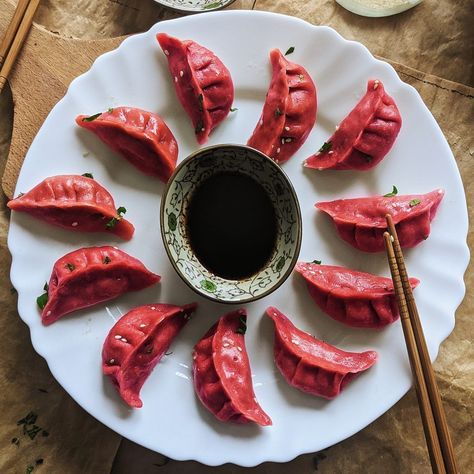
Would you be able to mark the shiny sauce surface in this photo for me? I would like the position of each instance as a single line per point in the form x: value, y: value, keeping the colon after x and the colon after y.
x: 231, y: 225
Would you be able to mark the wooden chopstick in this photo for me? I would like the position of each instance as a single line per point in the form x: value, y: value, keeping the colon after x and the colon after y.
x: 19, y: 34
x: 426, y: 385
x: 12, y: 29
x: 427, y: 418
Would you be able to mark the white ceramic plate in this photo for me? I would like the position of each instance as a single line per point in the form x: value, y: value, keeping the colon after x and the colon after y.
x: 172, y: 421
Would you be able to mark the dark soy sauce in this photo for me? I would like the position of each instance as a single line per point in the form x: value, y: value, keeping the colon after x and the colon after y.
x: 231, y: 225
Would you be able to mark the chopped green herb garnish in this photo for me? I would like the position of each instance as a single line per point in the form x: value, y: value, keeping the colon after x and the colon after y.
x: 290, y: 50
x: 29, y: 419
x: 317, y: 262
x: 325, y: 147
x: 16, y: 441
x: 242, y: 326
x: 29, y: 469
x: 200, y: 100
x: 106, y: 260
x: 86, y: 154
x: 32, y: 432
x: 110, y: 110
x: 414, y: 202
x: 393, y: 193
x: 113, y: 222
x: 70, y: 266
x: 199, y: 127
x: 42, y: 300
x: 92, y: 117
x: 233, y: 109
x: 278, y: 112
x: 88, y: 175
x: 45, y: 287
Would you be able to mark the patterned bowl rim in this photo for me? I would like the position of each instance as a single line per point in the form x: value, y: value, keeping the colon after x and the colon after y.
x: 299, y: 223
x: 181, y: 9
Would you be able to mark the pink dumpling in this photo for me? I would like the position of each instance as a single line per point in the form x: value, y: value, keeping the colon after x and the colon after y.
x: 361, y: 221
x: 202, y: 82
x: 221, y: 372
x: 76, y: 203
x: 137, y: 342
x: 357, y: 299
x: 89, y: 276
x: 289, y: 112
x: 141, y: 137
x: 364, y: 137
x: 312, y: 365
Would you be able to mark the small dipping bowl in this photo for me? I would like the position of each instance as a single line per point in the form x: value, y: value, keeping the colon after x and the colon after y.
x: 195, y: 6
x: 194, y: 170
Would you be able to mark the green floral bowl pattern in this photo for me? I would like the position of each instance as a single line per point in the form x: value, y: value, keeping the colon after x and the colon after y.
x: 187, y: 176
x: 195, y: 6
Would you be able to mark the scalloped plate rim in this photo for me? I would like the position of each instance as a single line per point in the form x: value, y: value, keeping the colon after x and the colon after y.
x: 213, y: 459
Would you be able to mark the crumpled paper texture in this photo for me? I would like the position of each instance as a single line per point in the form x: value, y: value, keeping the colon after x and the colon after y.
x: 434, y: 37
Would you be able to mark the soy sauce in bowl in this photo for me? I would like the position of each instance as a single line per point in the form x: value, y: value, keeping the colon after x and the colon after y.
x: 231, y: 225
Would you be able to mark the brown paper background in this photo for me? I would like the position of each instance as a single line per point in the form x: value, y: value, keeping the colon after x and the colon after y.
x: 436, y: 38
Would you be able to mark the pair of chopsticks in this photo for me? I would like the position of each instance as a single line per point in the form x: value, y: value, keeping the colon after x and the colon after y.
x: 15, y: 36
x: 437, y: 436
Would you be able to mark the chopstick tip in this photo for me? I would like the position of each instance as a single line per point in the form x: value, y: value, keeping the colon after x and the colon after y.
x: 387, y: 236
x: 390, y: 224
